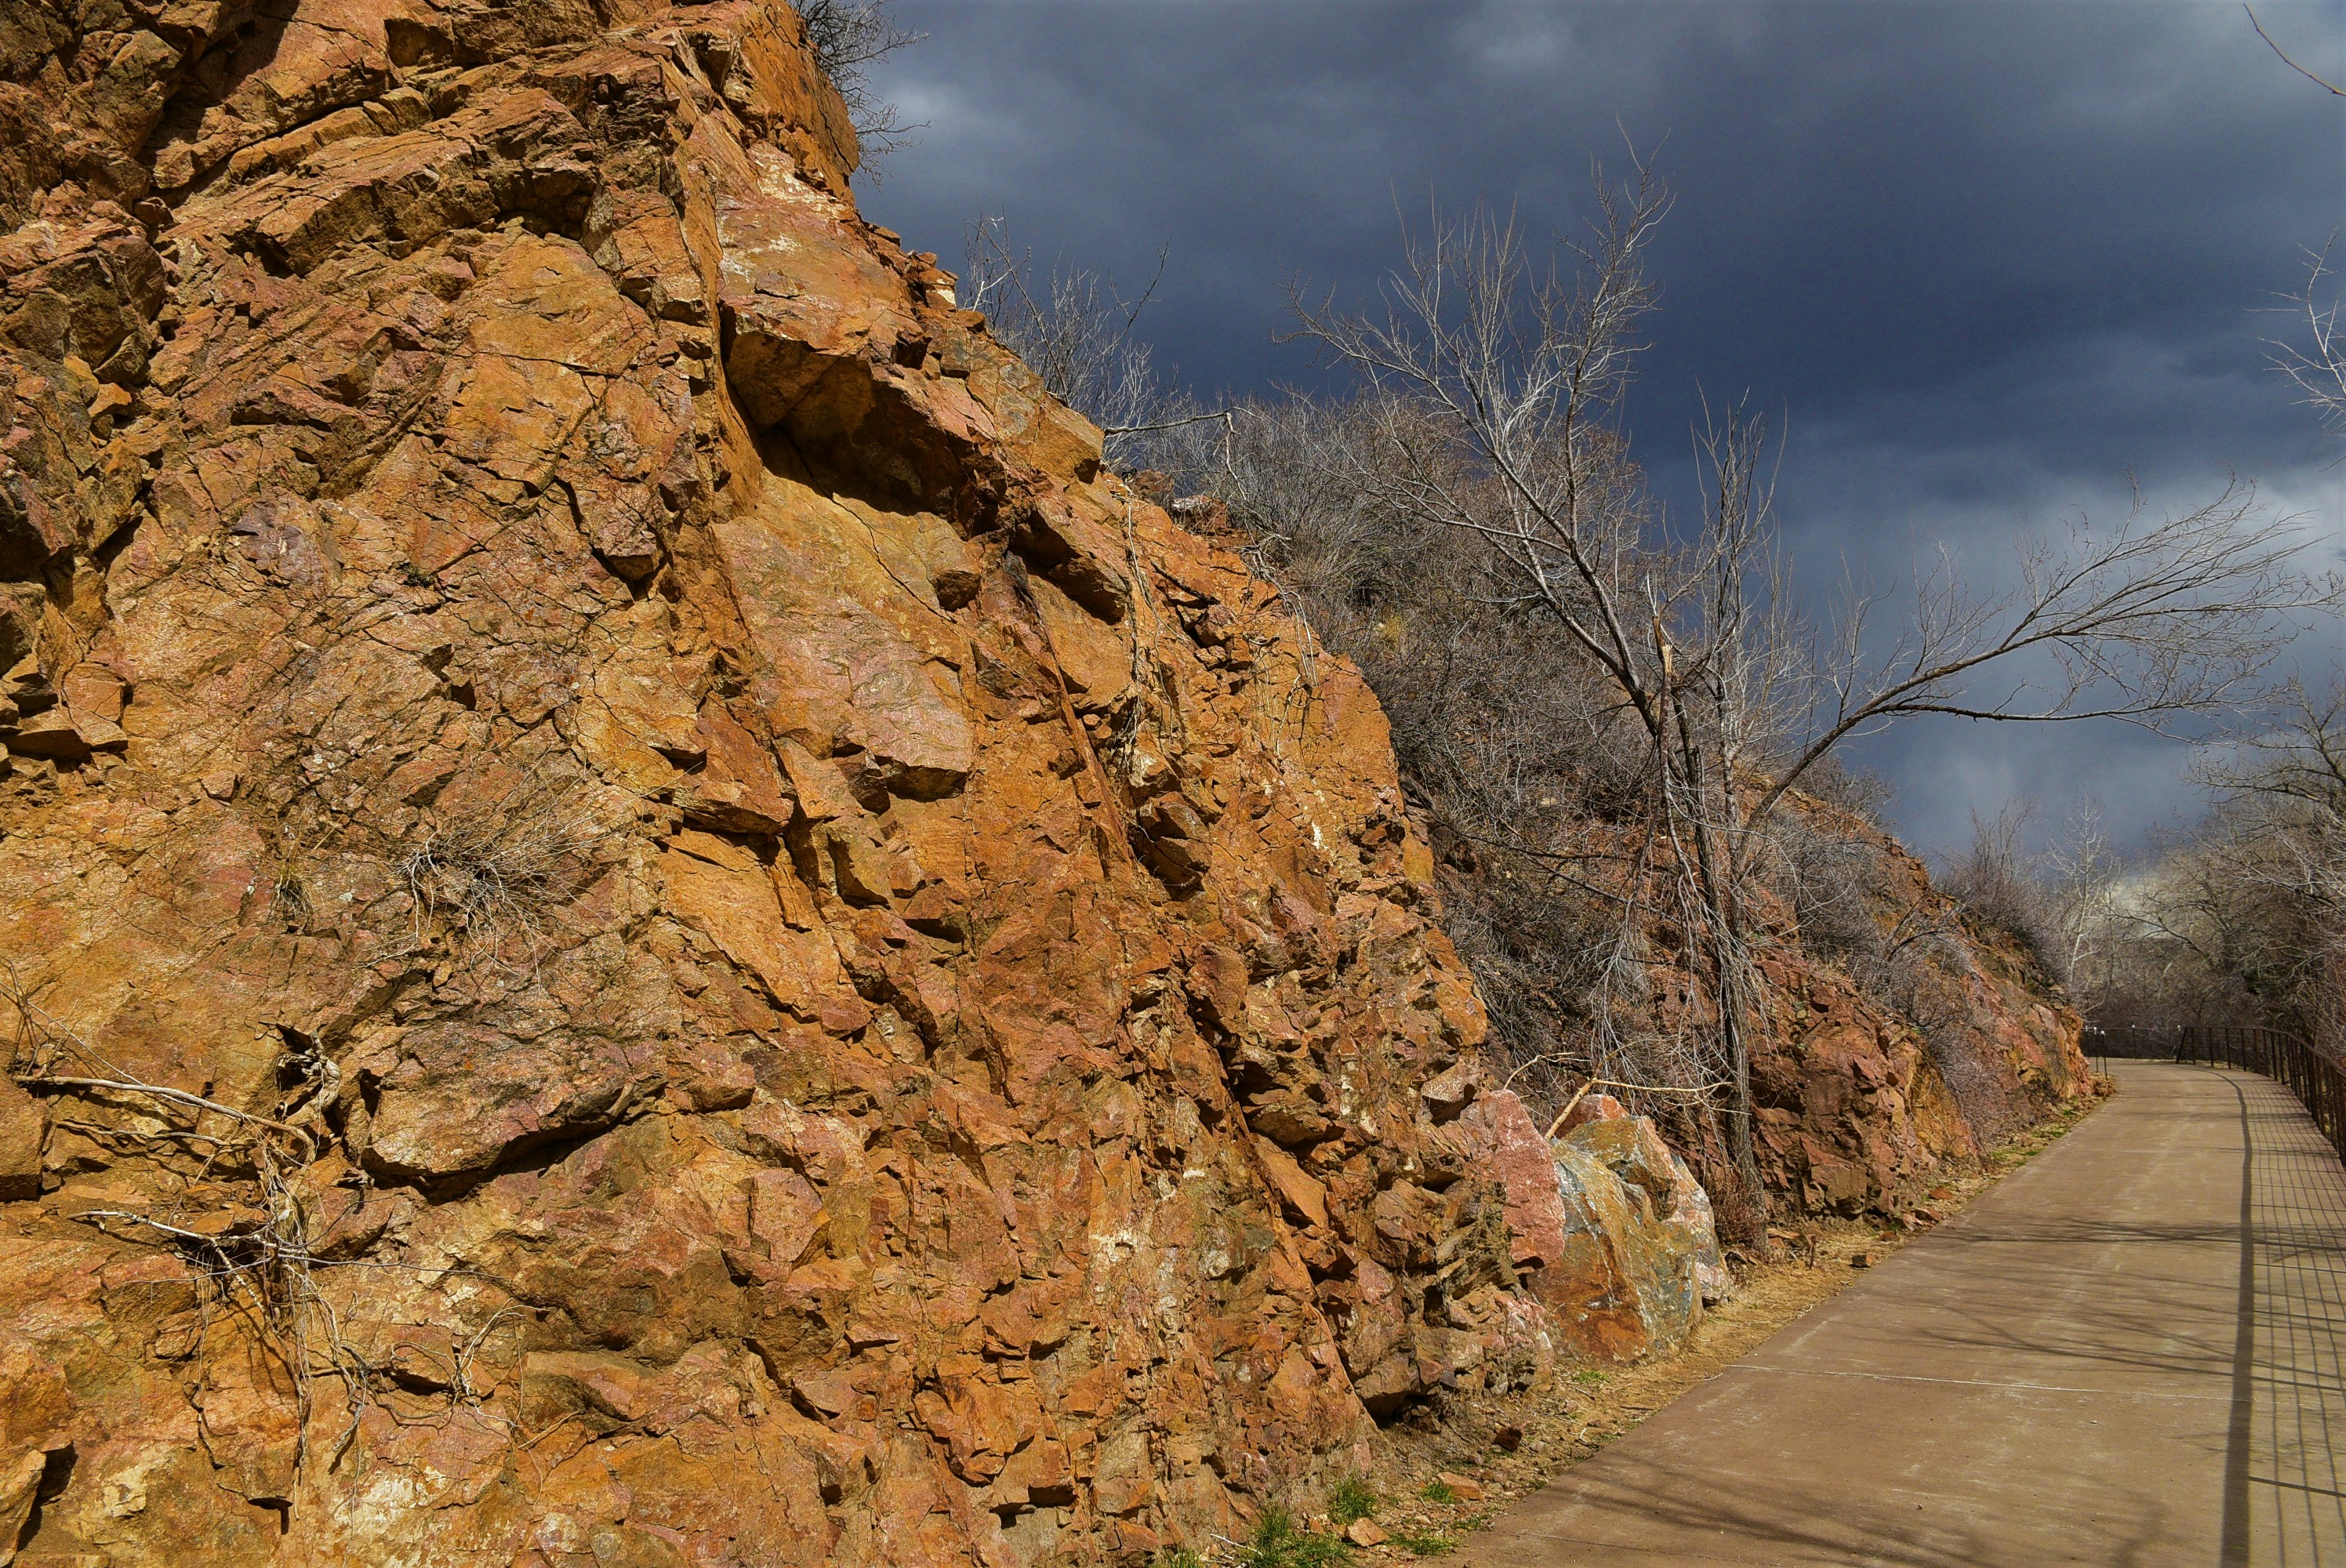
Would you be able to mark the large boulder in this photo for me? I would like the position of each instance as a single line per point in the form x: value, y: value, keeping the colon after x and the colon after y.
x: 1609, y: 1229
x: 1631, y: 1278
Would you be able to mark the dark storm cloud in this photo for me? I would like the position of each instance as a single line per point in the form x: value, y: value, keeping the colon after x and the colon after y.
x: 1991, y: 258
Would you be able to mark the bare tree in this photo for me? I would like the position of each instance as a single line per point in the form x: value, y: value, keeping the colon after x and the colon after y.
x: 2057, y: 899
x: 2316, y: 362
x: 1080, y: 335
x: 848, y: 38
x: 2085, y: 873
x: 2258, y: 890
x: 1499, y: 380
x: 1995, y: 881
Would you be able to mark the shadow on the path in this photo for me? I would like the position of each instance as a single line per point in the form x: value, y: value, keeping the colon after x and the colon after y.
x: 2219, y: 1331
x: 1824, y: 1522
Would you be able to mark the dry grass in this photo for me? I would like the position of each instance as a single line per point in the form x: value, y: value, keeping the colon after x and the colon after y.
x: 486, y: 874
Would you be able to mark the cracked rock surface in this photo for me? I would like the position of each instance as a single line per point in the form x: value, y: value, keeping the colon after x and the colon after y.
x: 646, y: 922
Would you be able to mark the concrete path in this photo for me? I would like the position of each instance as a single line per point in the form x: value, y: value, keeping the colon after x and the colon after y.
x: 2127, y: 1353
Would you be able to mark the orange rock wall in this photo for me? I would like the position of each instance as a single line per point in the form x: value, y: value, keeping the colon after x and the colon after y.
x: 1857, y: 1111
x: 1860, y: 1108
x: 649, y: 922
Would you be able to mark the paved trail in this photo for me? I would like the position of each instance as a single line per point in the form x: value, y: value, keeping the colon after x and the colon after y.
x: 2131, y: 1352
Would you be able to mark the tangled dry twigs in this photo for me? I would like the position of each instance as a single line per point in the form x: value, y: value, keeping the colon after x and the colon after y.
x: 239, y: 1221
x: 487, y: 872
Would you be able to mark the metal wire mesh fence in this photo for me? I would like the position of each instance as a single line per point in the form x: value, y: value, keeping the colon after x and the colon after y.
x: 2316, y: 1081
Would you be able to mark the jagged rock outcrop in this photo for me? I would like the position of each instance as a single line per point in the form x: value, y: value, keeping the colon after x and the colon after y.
x: 1612, y: 1234
x: 1891, y: 1033
x: 1860, y: 1106
x: 648, y: 922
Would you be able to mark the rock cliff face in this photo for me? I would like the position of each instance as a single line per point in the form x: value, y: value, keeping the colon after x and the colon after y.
x: 1860, y: 1106
x: 1889, y: 1033
x: 647, y: 923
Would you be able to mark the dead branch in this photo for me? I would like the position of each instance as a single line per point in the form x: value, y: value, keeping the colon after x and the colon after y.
x: 2322, y: 82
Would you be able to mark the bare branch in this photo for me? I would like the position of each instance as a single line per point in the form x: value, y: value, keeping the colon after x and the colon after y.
x: 2142, y: 623
x: 847, y: 38
x: 2317, y: 363
x: 1080, y: 335
x: 2320, y: 81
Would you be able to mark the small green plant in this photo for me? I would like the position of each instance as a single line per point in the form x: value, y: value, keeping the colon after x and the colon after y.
x: 1351, y: 1499
x: 1278, y: 1542
x: 1589, y: 1378
x: 1424, y: 1543
x: 1179, y: 1557
x: 1438, y: 1491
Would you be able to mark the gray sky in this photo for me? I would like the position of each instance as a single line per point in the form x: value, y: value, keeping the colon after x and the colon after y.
x: 1990, y: 258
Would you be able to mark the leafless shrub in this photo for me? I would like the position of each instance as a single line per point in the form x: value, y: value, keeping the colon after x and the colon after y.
x: 1937, y: 996
x: 1861, y: 793
x: 1835, y: 884
x: 1995, y: 883
x: 1286, y: 469
x: 1080, y: 335
x: 288, y: 900
x: 1912, y: 958
x: 484, y: 873
x: 848, y: 38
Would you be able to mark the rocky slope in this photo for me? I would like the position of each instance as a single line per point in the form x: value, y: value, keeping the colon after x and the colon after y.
x: 646, y: 922
x: 1893, y: 1034
x: 1886, y: 1051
